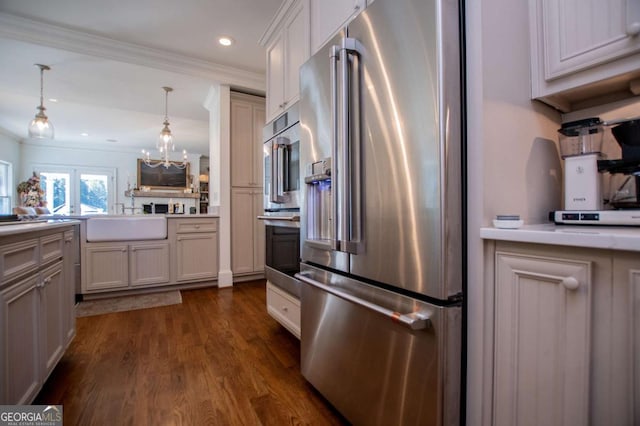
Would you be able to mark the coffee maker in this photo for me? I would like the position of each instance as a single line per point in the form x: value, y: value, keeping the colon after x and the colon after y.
x: 586, y: 202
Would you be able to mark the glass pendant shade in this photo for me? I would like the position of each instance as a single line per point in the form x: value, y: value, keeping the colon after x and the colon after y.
x: 40, y: 127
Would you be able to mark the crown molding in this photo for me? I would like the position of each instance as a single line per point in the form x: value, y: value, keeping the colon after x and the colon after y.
x: 36, y: 32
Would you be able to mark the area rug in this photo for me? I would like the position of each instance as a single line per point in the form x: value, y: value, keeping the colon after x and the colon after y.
x: 127, y: 303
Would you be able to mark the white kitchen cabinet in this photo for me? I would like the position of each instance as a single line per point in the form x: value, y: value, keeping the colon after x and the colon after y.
x: 20, y: 348
x: 119, y: 265
x: 247, y: 122
x: 247, y: 232
x: 616, y: 358
x: 69, y: 257
x: 329, y: 16
x: 542, y: 340
x: 287, y: 46
x: 106, y: 267
x: 565, y: 327
x: 584, y: 50
x: 35, y: 308
x: 53, y: 292
x: 148, y: 263
x: 284, y: 308
x: 195, y: 243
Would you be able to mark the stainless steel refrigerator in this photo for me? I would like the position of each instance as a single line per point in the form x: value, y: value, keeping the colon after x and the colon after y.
x: 381, y: 219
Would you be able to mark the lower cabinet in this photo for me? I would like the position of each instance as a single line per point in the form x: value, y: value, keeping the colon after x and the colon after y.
x: 52, y: 305
x: 20, y: 349
x: 195, y: 246
x: 247, y: 232
x: 566, y: 340
x: 36, y: 310
x: 114, y: 266
x: 284, y: 308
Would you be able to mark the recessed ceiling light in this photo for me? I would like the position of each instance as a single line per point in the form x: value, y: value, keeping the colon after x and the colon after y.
x: 53, y: 100
x: 225, y: 41
x: 84, y: 134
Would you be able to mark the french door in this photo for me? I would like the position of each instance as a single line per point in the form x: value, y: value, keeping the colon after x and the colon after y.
x: 72, y: 190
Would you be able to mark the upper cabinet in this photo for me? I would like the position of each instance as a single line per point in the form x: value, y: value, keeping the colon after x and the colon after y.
x: 328, y: 16
x: 584, y: 52
x: 287, y: 44
x: 247, y: 122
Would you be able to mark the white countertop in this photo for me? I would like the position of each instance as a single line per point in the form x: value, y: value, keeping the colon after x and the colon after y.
x: 604, y: 237
x: 30, y: 226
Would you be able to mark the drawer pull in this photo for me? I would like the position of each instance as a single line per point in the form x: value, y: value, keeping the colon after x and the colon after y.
x: 570, y: 283
x: 285, y: 309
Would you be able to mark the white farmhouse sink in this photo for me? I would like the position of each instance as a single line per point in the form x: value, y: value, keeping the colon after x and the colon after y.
x: 125, y: 228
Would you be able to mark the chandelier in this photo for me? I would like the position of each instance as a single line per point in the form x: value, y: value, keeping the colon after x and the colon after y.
x: 40, y: 127
x: 165, y: 143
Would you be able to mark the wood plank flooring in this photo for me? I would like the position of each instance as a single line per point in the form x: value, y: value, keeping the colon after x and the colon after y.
x: 216, y: 359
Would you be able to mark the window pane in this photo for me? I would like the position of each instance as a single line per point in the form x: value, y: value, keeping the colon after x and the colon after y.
x: 57, y: 190
x: 93, y: 194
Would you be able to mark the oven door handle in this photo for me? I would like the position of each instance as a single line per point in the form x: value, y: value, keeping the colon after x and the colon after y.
x: 284, y: 218
x: 412, y: 320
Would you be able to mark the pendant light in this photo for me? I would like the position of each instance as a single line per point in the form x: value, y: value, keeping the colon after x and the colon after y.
x: 165, y: 142
x: 40, y: 127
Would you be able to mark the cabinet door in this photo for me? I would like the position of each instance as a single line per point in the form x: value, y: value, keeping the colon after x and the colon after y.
x: 19, y: 342
x: 296, y: 51
x: 328, y: 16
x: 243, y: 144
x: 247, y: 123
x: 580, y: 34
x: 52, y: 308
x: 275, y: 77
x: 197, y: 256
x: 148, y: 264
x: 542, y: 340
x: 107, y: 267
x: 69, y: 288
x: 576, y: 43
x: 618, y: 372
x: 242, y: 230
x: 258, y: 232
x: 258, y: 144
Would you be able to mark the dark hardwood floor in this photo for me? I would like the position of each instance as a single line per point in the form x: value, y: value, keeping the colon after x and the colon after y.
x: 216, y: 359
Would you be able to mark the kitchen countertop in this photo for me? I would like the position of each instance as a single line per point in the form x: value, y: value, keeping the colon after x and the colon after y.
x: 604, y: 237
x: 14, y: 228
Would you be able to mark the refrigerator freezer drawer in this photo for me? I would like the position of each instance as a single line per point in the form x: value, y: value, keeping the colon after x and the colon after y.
x: 373, y: 369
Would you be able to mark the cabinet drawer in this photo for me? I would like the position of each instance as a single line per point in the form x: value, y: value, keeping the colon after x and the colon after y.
x: 18, y: 258
x: 284, y: 308
x: 51, y: 248
x: 196, y: 225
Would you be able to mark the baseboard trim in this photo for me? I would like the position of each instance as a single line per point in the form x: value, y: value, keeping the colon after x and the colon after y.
x: 225, y: 279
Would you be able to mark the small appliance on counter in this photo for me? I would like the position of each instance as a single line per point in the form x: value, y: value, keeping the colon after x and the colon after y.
x: 586, y: 202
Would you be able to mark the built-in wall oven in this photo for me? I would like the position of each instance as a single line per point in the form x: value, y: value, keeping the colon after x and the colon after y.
x: 282, y: 200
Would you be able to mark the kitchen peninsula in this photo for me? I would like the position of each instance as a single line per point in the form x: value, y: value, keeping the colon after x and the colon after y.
x: 122, y: 254
x: 37, y: 298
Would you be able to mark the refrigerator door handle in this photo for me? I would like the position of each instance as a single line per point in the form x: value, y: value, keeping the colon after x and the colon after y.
x: 335, y: 53
x: 412, y: 320
x: 350, y: 240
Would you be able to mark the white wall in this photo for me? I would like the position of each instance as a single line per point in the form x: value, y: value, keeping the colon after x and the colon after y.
x: 514, y: 165
x: 10, y: 152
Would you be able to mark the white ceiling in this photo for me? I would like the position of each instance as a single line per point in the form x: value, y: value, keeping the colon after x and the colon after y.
x: 109, y: 63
